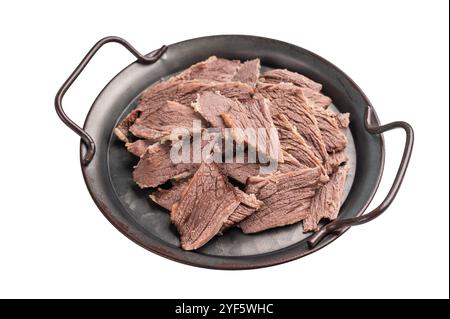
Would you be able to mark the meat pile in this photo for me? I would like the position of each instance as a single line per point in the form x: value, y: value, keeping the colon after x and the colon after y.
x: 206, y: 198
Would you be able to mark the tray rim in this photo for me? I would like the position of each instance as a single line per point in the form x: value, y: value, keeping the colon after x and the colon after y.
x: 231, y: 262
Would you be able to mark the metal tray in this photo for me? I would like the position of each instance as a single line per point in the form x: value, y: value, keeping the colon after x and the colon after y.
x: 107, y: 166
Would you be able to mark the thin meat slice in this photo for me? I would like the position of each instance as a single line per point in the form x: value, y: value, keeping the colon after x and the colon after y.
x: 255, y: 114
x: 279, y: 75
x: 138, y: 147
x: 343, y: 120
x: 286, y: 198
x: 327, y: 201
x: 213, y: 68
x: 248, y: 205
x: 248, y: 72
x: 317, y: 98
x: 289, y: 100
x: 211, y: 105
x: 163, y: 121
x: 332, y: 134
x: 248, y: 202
x: 183, y: 92
x: 294, y: 144
x: 156, y: 167
x: 122, y: 130
x: 167, y: 197
x: 336, y: 159
x: 205, y: 205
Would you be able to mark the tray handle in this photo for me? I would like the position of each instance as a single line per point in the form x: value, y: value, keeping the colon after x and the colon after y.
x: 340, y: 225
x: 85, y: 137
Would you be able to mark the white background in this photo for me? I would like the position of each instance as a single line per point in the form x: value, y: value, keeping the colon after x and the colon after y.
x: 55, y: 243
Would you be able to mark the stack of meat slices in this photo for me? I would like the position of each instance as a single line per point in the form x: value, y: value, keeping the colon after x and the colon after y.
x: 205, y: 199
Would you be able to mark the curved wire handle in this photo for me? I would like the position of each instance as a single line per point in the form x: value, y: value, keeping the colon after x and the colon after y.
x: 340, y: 225
x: 85, y: 137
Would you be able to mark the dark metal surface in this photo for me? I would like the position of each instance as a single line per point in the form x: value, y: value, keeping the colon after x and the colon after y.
x: 85, y: 137
x: 108, y: 175
x: 340, y: 225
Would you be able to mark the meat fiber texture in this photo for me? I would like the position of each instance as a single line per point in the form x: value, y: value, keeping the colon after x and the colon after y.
x: 206, y: 199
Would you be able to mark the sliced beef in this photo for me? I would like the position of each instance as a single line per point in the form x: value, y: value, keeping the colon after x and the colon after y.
x: 294, y: 144
x: 211, y: 105
x: 213, y: 68
x: 205, y: 205
x: 343, y: 119
x: 279, y: 75
x: 332, y: 134
x: 160, y: 123
x: 327, y: 201
x: 183, y: 92
x: 286, y: 198
x: 248, y: 72
x: 155, y: 167
x: 122, y: 130
x: 167, y: 197
x: 289, y: 100
x: 255, y: 114
x: 138, y: 147
x: 248, y: 205
x: 317, y: 98
x: 336, y: 159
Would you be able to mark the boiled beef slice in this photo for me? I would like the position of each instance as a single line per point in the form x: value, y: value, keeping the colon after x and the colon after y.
x: 248, y: 72
x: 294, y: 144
x: 327, y: 200
x: 289, y: 100
x: 167, y: 197
x: 205, y: 205
x: 213, y: 68
x: 138, y: 147
x: 336, y: 159
x: 332, y: 134
x: 279, y: 75
x: 183, y: 92
x: 156, y: 167
x: 211, y: 105
x: 164, y: 120
x: 286, y: 197
x: 254, y: 114
x: 319, y: 99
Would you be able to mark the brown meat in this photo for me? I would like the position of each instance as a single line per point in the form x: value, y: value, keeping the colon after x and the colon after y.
x: 167, y: 197
x: 155, y: 167
x: 317, y: 98
x: 211, y: 105
x: 183, y: 92
x: 213, y: 69
x: 332, y: 134
x: 160, y: 123
x: 336, y: 159
x: 279, y: 75
x: 254, y: 114
x: 343, y: 120
x: 248, y: 72
x: 138, y: 147
x: 327, y: 201
x: 205, y: 205
x: 286, y: 198
x: 290, y: 101
x: 294, y: 144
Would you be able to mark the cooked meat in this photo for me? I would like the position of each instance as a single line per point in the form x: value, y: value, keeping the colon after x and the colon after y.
x: 248, y: 202
x: 333, y: 136
x: 155, y: 167
x: 122, y: 130
x: 294, y: 144
x: 290, y: 101
x: 248, y: 205
x: 336, y: 159
x: 317, y: 98
x: 138, y: 147
x: 286, y: 198
x: 162, y: 121
x: 183, y: 92
x: 254, y: 114
x: 205, y: 205
x: 248, y: 72
x: 327, y: 201
x: 211, y: 105
x: 343, y: 120
x: 167, y: 197
x: 279, y: 75
x: 213, y: 68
